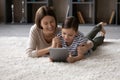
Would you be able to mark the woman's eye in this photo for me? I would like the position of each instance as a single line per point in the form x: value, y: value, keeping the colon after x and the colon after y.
x: 52, y: 21
x: 45, y: 23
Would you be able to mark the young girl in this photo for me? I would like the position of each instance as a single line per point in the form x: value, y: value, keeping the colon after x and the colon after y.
x: 77, y: 44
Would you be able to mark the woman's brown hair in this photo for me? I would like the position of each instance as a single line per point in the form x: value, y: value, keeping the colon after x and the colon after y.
x: 42, y: 12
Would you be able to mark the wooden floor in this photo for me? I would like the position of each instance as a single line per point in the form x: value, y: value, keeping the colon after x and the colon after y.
x: 112, y: 31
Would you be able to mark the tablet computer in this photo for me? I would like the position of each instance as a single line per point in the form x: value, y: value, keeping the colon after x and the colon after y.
x: 59, y: 54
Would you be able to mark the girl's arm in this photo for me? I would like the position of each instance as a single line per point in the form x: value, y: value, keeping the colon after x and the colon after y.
x: 56, y: 42
x: 81, y: 50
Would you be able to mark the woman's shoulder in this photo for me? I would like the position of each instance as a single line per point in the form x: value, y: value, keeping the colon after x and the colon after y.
x: 34, y: 28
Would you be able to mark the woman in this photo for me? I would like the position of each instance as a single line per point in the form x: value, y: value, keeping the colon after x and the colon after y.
x: 42, y: 32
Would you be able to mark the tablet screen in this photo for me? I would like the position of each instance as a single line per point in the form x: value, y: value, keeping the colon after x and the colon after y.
x: 59, y: 54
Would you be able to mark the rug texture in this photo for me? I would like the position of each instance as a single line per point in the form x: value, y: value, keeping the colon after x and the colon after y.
x: 102, y: 64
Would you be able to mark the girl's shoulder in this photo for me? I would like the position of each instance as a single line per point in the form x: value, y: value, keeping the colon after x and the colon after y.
x: 80, y: 33
x: 58, y: 31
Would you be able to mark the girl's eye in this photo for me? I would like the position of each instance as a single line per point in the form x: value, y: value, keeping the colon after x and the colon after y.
x: 70, y: 35
x: 64, y: 33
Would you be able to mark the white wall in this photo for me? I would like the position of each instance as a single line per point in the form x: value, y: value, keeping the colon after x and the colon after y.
x: 60, y: 7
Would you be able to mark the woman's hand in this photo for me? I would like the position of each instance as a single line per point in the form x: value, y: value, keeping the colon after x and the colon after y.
x: 56, y: 42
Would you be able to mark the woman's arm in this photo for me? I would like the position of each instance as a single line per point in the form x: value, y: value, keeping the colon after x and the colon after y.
x: 34, y: 42
x: 43, y: 52
x: 55, y: 44
x: 31, y: 47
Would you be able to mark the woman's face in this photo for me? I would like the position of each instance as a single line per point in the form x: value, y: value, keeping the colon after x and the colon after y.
x: 48, y: 24
x: 68, y: 35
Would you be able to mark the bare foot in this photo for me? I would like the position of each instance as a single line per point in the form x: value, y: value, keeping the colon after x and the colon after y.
x: 103, y: 23
x: 103, y: 32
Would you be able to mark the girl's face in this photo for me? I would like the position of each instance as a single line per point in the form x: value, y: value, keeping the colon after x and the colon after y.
x: 68, y: 35
x: 48, y: 24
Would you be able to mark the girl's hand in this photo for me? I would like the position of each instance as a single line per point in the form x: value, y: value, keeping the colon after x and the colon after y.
x: 56, y: 42
x: 51, y: 60
x: 82, y: 49
x: 85, y: 47
x: 70, y: 59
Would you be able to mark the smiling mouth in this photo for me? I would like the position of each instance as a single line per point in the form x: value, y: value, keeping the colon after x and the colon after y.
x: 51, y: 29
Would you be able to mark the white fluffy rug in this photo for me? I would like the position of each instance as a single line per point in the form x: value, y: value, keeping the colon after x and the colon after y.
x: 103, y: 64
